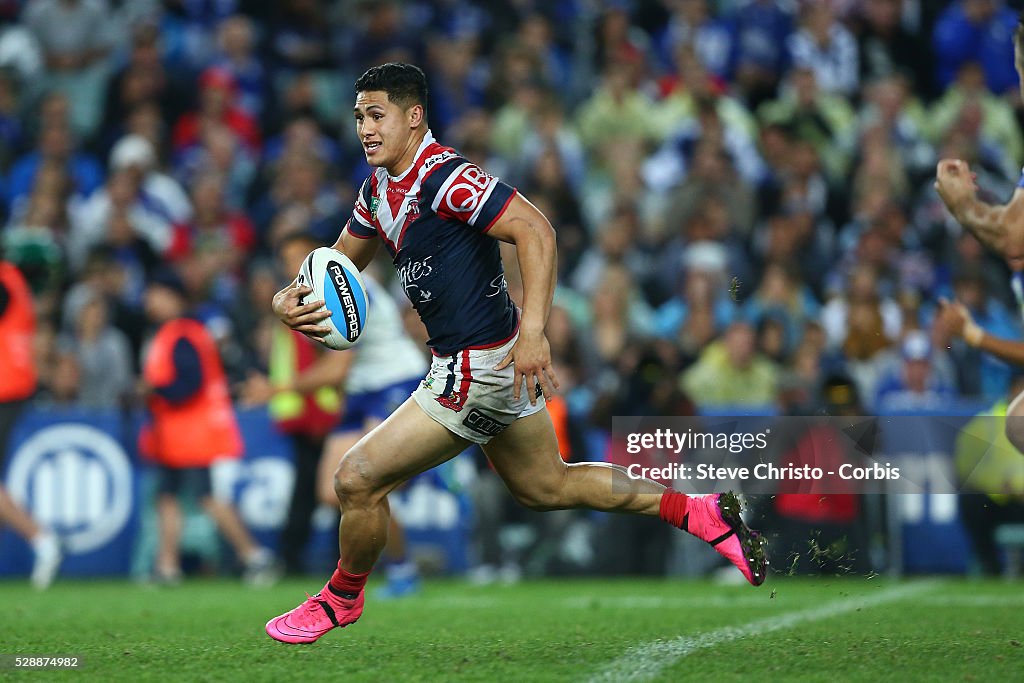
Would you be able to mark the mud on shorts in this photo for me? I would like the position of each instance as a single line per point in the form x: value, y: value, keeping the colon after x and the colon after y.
x: 470, y: 398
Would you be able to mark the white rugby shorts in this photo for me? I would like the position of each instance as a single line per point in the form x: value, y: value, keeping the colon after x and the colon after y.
x: 465, y: 394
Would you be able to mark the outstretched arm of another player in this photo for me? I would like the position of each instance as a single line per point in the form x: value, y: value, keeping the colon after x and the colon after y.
x: 989, y: 223
x: 954, y: 318
x: 525, y: 226
x: 306, y: 317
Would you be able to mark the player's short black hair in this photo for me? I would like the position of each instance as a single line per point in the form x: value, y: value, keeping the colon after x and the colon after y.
x: 405, y: 84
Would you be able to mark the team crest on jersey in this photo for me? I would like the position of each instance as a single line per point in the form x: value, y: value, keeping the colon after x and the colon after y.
x: 374, y: 205
x: 414, y: 209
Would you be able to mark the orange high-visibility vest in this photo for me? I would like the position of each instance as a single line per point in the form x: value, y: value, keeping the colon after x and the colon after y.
x: 17, y: 329
x: 203, y: 428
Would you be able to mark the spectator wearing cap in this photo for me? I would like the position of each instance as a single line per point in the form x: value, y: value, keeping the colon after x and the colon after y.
x: 159, y: 191
x: 218, y: 95
x: 695, y: 218
x: 20, y: 54
x: 118, y: 214
x: 701, y: 308
x: 917, y: 382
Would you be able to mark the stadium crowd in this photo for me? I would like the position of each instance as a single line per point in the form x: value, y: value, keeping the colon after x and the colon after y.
x: 741, y: 189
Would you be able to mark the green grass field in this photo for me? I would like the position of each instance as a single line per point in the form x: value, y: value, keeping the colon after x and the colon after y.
x: 569, y: 630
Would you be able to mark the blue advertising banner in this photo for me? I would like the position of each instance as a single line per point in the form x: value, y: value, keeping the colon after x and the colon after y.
x: 76, y: 473
x: 79, y: 473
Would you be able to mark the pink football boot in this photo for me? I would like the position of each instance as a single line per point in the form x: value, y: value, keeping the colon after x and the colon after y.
x: 716, y: 519
x: 314, y: 617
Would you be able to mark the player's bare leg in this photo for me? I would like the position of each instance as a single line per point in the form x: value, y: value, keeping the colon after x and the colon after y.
x: 407, y: 443
x: 526, y: 456
x: 335, y: 448
x: 45, y: 545
x: 14, y: 516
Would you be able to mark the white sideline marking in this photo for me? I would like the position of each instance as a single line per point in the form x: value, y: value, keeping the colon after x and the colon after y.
x: 643, y: 662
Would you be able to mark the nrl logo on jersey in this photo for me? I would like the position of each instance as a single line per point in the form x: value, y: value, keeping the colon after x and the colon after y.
x: 374, y: 205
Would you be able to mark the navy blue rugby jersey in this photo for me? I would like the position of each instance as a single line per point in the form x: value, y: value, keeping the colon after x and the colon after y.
x: 434, y: 219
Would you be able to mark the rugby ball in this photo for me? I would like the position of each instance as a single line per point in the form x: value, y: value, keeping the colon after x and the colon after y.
x: 336, y: 281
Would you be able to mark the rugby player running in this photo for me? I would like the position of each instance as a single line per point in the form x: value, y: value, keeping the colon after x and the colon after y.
x: 1001, y: 229
x: 441, y: 218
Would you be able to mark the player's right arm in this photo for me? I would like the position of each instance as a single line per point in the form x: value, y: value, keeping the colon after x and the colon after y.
x: 358, y: 241
x: 306, y: 317
x: 991, y: 224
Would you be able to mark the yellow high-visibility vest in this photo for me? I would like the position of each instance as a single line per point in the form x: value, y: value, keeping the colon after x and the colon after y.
x: 287, y: 405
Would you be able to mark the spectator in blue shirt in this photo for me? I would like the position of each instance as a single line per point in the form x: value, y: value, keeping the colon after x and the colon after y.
x: 55, y: 144
x: 760, y: 29
x: 979, y: 374
x: 976, y: 31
